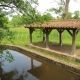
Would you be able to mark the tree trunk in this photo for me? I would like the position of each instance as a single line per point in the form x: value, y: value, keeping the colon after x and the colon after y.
x: 66, y: 10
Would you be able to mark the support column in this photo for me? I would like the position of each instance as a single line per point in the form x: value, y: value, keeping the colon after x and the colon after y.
x: 47, y: 40
x: 47, y: 32
x: 73, y: 35
x: 74, y: 42
x: 60, y: 39
x: 60, y: 36
x: 43, y: 36
x: 31, y: 31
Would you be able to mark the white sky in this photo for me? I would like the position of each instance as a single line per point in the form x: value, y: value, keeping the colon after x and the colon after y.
x: 46, y: 4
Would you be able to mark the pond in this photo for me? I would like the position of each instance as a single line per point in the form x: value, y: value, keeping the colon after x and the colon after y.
x: 26, y: 67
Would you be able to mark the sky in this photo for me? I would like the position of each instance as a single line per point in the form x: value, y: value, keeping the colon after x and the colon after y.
x: 46, y: 4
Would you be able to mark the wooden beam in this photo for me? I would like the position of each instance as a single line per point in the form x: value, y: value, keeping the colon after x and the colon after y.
x: 77, y: 31
x: 70, y: 32
x: 48, y: 30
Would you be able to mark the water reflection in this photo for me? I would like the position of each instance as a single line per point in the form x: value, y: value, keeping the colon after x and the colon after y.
x: 26, y: 67
x: 5, y: 56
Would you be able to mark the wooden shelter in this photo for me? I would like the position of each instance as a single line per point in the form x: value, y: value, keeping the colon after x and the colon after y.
x: 72, y: 27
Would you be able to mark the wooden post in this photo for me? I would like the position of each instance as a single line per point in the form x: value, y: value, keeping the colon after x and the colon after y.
x: 74, y: 42
x: 73, y: 35
x: 43, y: 36
x: 60, y: 39
x: 60, y: 36
x: 47, y: 32
x: 47, y: 40
x: 30, y: 31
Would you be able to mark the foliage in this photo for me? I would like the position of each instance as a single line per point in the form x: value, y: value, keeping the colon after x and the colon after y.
x: 4, y: 31
x: 3, y: 25
x: 47, y: 17
x: 8, y: 7
x: 16, y: 21
x: 3, y: 20
x: 24, y: 7
x: 69, y: 16
x: 20, y: 7
x: 16, y: 5
x: 8, y: 56
x: 62, y: 9
x: 76, y: 15
x: 2, y: 34
x: 38, y: 18
x: 10, y: 36
x: 59, y: 11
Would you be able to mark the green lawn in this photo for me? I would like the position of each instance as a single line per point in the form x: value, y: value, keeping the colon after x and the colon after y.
x: 21, y: 37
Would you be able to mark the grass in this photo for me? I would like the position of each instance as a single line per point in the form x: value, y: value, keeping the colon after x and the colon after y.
x: 22, y: 37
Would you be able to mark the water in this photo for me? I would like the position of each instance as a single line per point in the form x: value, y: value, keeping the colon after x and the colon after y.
x: 26, y: 67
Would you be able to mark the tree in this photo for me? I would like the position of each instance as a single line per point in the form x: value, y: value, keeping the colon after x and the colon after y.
x: 3, y: 20
x: 47, y: 17
x: 66, y: 4
x: 37, y: 18
x: 16, y: 4
x: 16, y: 21
x: 62, y: 9
x: 3, y: 24
x: 26, y: 19
x: 76, y: 15
x: 21, y: 6
x: 69, y: 16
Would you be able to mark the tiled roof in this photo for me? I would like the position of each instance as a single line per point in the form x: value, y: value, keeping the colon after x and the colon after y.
x: 57, y: 24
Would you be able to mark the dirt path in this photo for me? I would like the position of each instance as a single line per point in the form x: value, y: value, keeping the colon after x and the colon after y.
x: 56, y: 47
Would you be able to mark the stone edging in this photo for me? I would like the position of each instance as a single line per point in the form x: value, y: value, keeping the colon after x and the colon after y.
x: 72, y: 68
x: 59, y: 54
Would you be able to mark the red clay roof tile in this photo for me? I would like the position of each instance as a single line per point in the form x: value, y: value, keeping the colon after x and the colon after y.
x: 57, y: 24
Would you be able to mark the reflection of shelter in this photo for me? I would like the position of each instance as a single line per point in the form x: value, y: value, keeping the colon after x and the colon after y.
x: 71, y: 26
x: 51, y: 72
